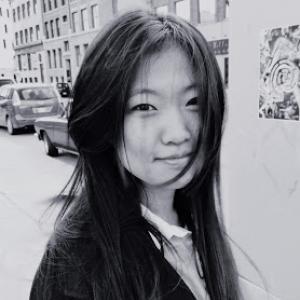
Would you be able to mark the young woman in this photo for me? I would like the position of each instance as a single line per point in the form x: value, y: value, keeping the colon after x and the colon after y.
x: 143, y: 217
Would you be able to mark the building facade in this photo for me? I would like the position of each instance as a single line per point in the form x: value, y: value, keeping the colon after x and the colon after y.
x: 28, y: 40
x: 6, y: 49
x: 213, y: 25
x: 56, y: 28
x: 87, y: 17
x: 217, y: 36
x: 50, y: 37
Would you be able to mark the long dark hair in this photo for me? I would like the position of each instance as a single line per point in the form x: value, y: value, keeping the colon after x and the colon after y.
x: 103, y: 206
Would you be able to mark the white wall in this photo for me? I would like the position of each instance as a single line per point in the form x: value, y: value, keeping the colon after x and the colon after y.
x: 261, y: 157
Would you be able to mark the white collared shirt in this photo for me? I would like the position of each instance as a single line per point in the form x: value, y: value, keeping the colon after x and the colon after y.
x: 183, y: 260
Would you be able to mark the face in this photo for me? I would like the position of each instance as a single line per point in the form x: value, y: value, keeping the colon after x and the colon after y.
x: 161, y: 123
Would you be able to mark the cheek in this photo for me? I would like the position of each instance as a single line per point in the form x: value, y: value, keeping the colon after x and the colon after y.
x: 139, y: 143
x: 193, y: 121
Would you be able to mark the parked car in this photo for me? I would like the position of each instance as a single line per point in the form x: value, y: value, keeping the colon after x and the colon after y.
x: 53, y: 132
x: 64, y: 89
x: 22, y: 104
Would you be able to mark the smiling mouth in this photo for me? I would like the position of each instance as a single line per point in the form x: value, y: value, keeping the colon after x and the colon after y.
x: 176, y: 160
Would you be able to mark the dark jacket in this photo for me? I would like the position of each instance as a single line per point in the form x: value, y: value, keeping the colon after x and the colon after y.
x: 77, y: 285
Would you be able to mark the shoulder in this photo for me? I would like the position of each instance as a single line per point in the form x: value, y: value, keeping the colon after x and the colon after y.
x: 63, y: 273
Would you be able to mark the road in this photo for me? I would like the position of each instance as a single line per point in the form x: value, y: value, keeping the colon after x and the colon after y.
x: 29, y: 179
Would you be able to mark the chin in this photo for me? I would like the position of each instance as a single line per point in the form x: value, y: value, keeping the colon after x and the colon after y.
x: 179, y: 183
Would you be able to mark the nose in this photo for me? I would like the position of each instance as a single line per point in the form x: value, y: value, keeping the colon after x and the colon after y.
x: 175, y: 128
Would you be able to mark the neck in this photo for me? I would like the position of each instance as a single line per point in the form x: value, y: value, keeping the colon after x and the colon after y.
x: 160, y: 201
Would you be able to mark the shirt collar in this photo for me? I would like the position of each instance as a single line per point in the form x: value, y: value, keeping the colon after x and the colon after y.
x: 168, y: 230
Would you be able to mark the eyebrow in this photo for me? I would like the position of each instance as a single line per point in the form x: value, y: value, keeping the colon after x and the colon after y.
x: 192, y: 86
x: 149, y: 91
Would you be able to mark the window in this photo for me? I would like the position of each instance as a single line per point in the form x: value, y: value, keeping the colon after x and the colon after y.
x: 63, y: 2
x: 20, y: 62
x: 84, y: 19
x: 4, y: 44
x: 35, y: 79
x: 29, y: 61
x: 57, y: 26
x: 65, y: 18
x: 19, y: 12
x: 30, y: 79
x: 54, y: 58
x: 62, y: 79
x: 17, y: 38
x: 55, y: 3
x: 21, y: 37
x: 74, y: 21
x: 52, y: 28
x: 46, y: 30
x: 14, y: 15
x: 51, y: 79
x: 28, y: 8
x: 26, y: 36
x: 78, y: 55
x: 37, y: 30
x: 162, y: 9
x: 85, y: 46
x: 49, y: 59
x: 34, y: 6
x: 44, y: 6
x: 7, y: 13
x: 5, y: 28
x: 68, y: 70
x: 183, y: 9
x: 31, y: 34
x: 23, y: 10
x: 56, y: 78
x: 60, y: 57
x: 66, y: 46
x: 0, y: 11
x: 49, y: 4
x: 94, y: 16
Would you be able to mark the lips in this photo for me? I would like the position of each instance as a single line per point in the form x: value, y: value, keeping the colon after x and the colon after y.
x: 175, y: 159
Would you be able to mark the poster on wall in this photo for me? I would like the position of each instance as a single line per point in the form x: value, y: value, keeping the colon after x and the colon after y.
x: 279, y: 96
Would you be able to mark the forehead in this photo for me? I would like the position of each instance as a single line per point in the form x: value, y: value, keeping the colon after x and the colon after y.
x: 169, y: 69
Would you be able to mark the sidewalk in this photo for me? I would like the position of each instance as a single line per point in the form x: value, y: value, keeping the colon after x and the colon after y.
x: 22, y: 244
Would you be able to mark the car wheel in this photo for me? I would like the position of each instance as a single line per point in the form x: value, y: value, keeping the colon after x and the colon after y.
x: 50, y: 149
x: 10, y: 127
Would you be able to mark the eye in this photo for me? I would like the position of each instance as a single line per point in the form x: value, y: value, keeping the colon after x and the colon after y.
x: 144, y: 107
x: 194, y: 102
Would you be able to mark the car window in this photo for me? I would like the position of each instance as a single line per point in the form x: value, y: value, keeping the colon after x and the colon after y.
x: 1, y: 91
x: 37, y: 93
x: 4, y: 91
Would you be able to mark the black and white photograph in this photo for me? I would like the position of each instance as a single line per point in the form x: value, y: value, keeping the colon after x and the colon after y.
x: 149, y: 149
